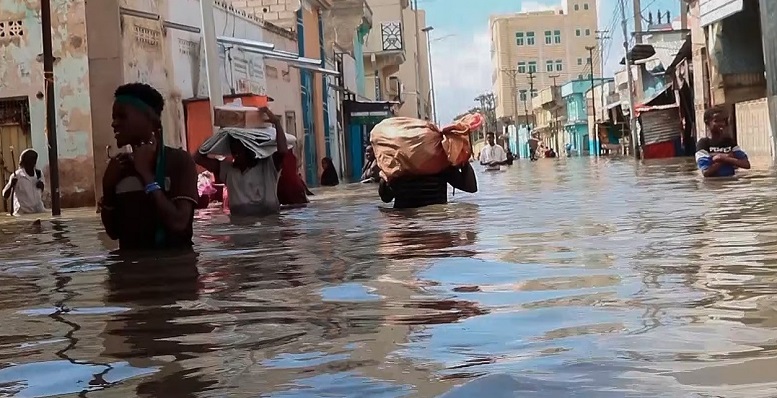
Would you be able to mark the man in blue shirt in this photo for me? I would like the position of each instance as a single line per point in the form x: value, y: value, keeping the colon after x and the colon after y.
x: 717, y: 155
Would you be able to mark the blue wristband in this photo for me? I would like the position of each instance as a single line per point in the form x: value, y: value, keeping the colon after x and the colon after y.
x: 153, y: 187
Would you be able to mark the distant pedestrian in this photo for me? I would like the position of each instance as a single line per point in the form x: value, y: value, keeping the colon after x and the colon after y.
x: 718, y: 155
x: 492, y: 156
x: 534, y: 144
x: 371, y: 170
x: 26, y: 186
x: 329, y: 176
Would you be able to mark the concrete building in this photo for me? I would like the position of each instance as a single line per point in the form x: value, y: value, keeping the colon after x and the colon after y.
x: 305, y: 18
x: 413, y: 75
x: 386, y: 49
x: 528, y: 48
x: 577, y: 128
x: 99, y: 46
x: 346, y: 26
x: 550, y: 117
x: 734, y: 58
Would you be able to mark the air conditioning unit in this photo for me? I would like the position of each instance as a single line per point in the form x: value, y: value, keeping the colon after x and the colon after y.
x: 395, y: 88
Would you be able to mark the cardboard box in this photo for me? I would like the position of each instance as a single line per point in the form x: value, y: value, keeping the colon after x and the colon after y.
x: 238, y: 116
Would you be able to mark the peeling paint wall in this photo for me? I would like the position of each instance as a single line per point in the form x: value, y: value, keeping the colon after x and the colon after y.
x: 173, y: 60
x: 21, y: 75
x: 118, y: 47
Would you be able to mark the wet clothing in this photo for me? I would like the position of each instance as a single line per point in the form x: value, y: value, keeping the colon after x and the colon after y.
x: 134, y: 214
x: 27, y: 197
x: 329, y: 177
x: 492, y: 154
x: 707, y: 148
x: 291, y: 188
x: 254, y: 191
x: 370, y: 172
x: 420, y: 191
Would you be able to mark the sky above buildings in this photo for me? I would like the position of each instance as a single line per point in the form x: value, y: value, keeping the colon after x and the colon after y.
x: 461, y: 43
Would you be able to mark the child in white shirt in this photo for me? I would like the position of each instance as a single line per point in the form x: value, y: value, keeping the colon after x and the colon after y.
x: 26, y: 186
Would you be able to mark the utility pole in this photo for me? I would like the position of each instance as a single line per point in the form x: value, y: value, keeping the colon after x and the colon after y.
x: 632, y: 112
x: 513, y: 73
x: 637, y: 21
x: 51, y: 109
x: 417, y: 59
x: 594, y: 129
x: 530, y: 97
x: 602, y: 36
x: 555, y: 113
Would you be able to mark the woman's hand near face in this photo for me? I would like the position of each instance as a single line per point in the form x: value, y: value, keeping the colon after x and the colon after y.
x: 115, y: 170
x: 144, y: 161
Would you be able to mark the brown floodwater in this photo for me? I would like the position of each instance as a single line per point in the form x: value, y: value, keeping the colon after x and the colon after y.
x: 581, y: 277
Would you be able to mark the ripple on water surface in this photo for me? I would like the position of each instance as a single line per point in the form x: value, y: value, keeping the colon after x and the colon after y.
x: 578, y: 277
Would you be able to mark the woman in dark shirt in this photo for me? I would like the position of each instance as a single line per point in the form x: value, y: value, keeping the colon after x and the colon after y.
x: 419, y: 191
x: 329, y: 175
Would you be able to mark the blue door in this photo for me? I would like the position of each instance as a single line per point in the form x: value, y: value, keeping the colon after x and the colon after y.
x: 311, y: 158
x: 356, y: 150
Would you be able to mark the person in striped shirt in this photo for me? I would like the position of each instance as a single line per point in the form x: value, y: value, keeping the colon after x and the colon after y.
x: 718, y: 155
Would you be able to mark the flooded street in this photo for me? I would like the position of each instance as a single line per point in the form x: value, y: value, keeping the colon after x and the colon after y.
x: 591, y: 278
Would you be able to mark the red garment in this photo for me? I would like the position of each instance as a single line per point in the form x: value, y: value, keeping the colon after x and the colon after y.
x: 291, y: 188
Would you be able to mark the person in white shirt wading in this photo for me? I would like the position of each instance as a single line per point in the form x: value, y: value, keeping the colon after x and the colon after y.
x: 492, y: 156
x: 26, y: 186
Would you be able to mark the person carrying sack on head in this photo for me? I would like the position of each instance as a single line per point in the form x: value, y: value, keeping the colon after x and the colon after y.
x: 26, y: 186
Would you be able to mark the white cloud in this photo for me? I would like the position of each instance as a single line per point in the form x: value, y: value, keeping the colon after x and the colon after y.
x: 532, y: 6
x: 462, y: 71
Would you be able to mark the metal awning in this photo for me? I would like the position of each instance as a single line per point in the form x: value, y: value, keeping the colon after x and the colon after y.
x: 712, y: 11
x: 268, y: 50
x: 683, y: 53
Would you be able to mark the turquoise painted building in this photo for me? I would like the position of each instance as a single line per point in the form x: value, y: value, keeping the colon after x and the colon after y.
x: 578, y: 131
x: 519, y: 140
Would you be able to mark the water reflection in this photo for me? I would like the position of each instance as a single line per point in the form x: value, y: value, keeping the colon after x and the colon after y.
x: 585, y: 277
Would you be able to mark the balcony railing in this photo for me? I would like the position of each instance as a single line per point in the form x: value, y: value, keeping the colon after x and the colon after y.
x: 391, y: 36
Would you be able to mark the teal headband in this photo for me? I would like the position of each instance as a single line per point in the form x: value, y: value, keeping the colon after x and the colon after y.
x: 137, y: 104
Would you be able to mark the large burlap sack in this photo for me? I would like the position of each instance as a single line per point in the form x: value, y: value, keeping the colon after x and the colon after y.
x: 406, y: 146
x: 456, y: 143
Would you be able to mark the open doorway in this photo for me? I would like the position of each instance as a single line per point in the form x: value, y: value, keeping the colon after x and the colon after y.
x: 15, y: 136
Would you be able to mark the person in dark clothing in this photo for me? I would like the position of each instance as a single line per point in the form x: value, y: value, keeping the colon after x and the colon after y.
x: 370, y: 171
x: 149, y: 195
x: 510, y: 158
x: 419, y: 191
x: 329, y: 175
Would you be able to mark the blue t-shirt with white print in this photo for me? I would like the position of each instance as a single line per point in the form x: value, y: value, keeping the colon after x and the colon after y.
x: 707, y: 148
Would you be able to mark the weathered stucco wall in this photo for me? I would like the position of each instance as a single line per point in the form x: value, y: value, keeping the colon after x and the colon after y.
x: 283, y: 85
x: 21, y: 75
x: 173, y: 60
